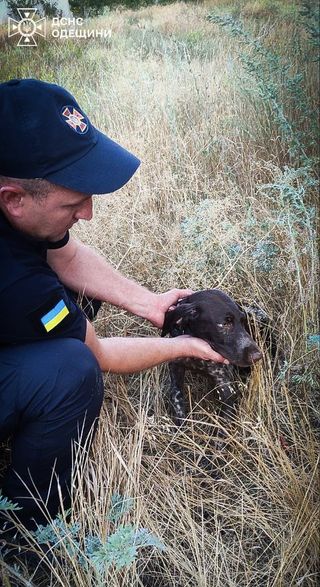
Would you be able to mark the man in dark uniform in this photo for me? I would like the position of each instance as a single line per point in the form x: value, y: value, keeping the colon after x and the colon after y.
x: 52, y: 160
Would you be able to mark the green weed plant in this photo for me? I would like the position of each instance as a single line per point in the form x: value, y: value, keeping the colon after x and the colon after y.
x: 119, y: 549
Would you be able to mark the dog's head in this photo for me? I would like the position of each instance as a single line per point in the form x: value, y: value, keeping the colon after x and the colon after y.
x: 213, y: 316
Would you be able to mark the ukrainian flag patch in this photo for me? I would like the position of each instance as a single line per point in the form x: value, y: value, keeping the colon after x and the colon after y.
x: 55, y: 316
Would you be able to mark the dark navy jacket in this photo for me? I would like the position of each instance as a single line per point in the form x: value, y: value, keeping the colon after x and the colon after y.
x: 34, y: 304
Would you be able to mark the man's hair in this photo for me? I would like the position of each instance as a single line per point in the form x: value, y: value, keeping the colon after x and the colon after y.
x: 37, y: 188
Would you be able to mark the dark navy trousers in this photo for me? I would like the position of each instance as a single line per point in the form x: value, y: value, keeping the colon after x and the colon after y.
x: 50, y: 392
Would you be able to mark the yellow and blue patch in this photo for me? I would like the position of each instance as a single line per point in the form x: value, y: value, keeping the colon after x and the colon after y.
x: 51, y: 319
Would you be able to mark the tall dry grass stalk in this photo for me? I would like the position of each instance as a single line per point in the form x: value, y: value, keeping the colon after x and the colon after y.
x: 169, y: 86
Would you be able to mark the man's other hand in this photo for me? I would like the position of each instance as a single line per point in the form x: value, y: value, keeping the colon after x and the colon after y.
x: 161, y: 303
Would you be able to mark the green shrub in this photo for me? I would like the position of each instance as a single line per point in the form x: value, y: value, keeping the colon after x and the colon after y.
x: 119, y: 549
x: 281, y: 90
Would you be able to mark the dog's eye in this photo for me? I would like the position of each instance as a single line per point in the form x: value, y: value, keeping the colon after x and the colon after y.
x: 228, y: 322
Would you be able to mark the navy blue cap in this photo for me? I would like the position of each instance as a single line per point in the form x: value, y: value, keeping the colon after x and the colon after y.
x: 45, y: 134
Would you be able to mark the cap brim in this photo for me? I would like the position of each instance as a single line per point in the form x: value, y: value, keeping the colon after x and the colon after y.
x: 104, y: 169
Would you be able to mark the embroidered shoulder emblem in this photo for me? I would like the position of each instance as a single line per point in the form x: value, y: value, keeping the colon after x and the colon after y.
x: 77, y: 121
x: 52, y: 318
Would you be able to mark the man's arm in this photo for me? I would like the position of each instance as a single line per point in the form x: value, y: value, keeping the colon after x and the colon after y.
x: 130, y: 355
x: 82, y: 269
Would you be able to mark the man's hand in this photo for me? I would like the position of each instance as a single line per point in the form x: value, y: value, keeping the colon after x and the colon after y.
x: 163, y: 302
x: 200, y: 349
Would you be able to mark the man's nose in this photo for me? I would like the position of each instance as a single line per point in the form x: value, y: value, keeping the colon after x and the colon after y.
x: 85, y: 211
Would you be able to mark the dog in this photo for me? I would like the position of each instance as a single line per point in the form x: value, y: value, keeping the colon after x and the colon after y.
x: 216, y: 318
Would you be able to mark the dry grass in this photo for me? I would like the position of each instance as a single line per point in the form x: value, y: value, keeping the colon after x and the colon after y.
x: 169, y: 86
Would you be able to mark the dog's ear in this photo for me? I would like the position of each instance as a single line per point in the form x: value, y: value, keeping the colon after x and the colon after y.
x: 179, y: 317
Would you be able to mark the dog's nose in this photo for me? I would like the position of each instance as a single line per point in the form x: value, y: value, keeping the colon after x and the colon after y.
x: 255, y: 356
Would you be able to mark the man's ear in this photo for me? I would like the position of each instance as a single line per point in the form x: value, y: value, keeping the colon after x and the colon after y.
x: 12, y: 199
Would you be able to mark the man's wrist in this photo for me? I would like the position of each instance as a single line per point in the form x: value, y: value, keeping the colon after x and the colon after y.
x: 183, y: 346
x: 145, y: 306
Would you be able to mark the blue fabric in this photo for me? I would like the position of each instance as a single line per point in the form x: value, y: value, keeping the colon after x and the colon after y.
x: 48, y: 392
x: 29, y: 289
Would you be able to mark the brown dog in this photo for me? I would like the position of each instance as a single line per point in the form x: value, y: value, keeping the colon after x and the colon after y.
x: 213, y: 316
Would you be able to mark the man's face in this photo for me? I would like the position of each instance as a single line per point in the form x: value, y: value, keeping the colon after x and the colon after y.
x: 50, y: 217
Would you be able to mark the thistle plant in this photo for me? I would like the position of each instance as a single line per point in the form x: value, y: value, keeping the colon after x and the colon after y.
x: 275, y: 241
x: 119, y: 549
x: 274, y: 79
x: 6, y: 505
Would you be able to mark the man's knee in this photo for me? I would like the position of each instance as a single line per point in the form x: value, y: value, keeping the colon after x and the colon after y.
x: 81, y: 386
x: 76, y: 366
x: 49, y: 380
x: 69, y: 379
